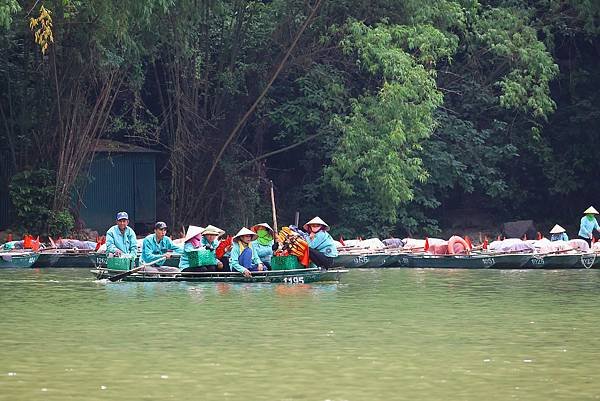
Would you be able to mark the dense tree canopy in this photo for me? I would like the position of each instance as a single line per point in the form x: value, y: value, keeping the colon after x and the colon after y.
x: 384, y: 117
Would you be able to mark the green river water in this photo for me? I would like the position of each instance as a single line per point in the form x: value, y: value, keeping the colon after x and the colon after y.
x: 388, y: 334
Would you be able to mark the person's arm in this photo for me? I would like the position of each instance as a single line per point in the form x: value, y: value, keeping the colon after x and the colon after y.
x: 175, y: 248
x: 566, y: 237
x: 132, y: 243
x: 148, y: 255
x: 110, y: 242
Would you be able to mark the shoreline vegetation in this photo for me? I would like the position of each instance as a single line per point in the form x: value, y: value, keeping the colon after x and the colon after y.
x: 384, y: 117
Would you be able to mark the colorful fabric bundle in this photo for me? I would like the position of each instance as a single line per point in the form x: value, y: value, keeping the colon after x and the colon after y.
x: 223, y: 246
x: 293, y: 244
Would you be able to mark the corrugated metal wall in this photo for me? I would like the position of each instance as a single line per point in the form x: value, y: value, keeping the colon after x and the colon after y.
x: 123, y: 181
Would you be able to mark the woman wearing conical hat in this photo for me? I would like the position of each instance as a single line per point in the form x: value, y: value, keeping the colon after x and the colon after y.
x: 210, y: 242
x: 322, y: 250
x: 558, y: 234
x: 243, y: 257
x: 588, y: 224
x: 192, y: 241
x: 264, y: 243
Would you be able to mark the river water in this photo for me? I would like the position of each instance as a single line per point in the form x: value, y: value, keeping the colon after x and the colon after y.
x: 388, y: 334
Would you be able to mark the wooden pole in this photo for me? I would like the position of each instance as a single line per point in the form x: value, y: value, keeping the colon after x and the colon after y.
x: 273, y: 209
x: 297, y: 218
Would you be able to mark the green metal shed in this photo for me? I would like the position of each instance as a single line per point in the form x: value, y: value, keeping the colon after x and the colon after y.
x: 122, y: 177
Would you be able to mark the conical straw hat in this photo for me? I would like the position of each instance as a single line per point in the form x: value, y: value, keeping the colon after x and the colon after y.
x: 210, y: 229
x: 257, y: 227
x: 591, y: 210
x: 557, y: 230
x: 191, y: 232
x: 245, y: 231
x: 316, y: 220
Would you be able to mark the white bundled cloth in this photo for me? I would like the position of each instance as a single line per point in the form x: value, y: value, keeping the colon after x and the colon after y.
x: 511, y: 245
x: 371, y: 243
x: 579, y: 244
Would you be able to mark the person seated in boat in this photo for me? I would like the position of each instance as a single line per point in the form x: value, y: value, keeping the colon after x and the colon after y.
x: 558, y: 234
x: 322, y: 249
x: 191, y: 241
x: 223, y: 252
x: 264, y: 243
x: 588, y: 225
x: 120, y: 238
x: 158, y: 246
x: 243, y: 257
x: 210, y: 242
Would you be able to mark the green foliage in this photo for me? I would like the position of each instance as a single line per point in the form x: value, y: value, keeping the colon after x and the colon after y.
x: 378, y: 151
x: 32, y: 194
x: 7, y: 8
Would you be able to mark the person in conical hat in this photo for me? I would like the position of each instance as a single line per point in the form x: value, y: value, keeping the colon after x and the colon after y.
x: 243, y: 257
x: 210, y: 242
x: 558, y: 234
x: 191, y: 241
x: 588, y: 225
x: 322, y: 250
x: 264, y: 243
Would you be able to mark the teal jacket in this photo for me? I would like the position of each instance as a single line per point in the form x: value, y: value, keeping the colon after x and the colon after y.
x: 151, y: 250
x: 125, y: 242
x: 559, y: 237
x: 323, y: 242
x: 235, y: 256
x: 184, y: 261
x: 264, y: 252
x: 587, y: 226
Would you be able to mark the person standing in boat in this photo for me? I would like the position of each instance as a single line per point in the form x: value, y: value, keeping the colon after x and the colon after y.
x: 558, y: 234
x: 156, y: 246
x: 120, y: 238
x: 243, y: 257
x: 264, y: 243
x: 322, y: 250
x: 210, y: 242
x: 192, y: 241
x: 588, y: 225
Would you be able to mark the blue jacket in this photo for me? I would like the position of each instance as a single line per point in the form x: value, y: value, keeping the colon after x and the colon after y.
x: 559, y: 237
x: 264, y: 252
x: 323, y: 242
x: 126, y: 242
x: 587, y: 226
x: 151, y: 250
x: 236, y: 251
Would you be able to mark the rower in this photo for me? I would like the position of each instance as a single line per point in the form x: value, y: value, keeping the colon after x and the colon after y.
x: 243, y: 257
x: 588, y: 225
x: 120, y: 238
x: 158, y: 246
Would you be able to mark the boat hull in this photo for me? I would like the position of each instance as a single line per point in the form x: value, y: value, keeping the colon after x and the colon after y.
x: 299, y: 276
x: 68, y: 259
x: 18, y: 260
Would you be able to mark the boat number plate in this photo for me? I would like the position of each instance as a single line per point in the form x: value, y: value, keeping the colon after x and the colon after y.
x: 293, y: 280
x: 489, y: 261
x: 32, y: 259
x: 537, y: 260
x: 361, y: 259
x: 101, y: 261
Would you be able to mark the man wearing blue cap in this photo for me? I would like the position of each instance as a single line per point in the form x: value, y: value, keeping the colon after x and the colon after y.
x: 157, y: 247
x: 120, y: 239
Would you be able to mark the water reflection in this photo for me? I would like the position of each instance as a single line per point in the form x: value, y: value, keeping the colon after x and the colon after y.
x: 381, y: 334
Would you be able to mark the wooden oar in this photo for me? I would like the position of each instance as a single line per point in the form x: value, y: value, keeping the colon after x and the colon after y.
x: 120, y: 276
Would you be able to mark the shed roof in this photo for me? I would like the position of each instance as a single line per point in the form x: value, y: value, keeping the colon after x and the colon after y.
x: 110, y: 146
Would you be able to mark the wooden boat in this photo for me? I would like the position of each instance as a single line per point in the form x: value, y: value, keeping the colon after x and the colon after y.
x: 480, y: 260
x: 17, y: 259
x: 298, y: 276
x: 173, y: 261
x: 69, y: 258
